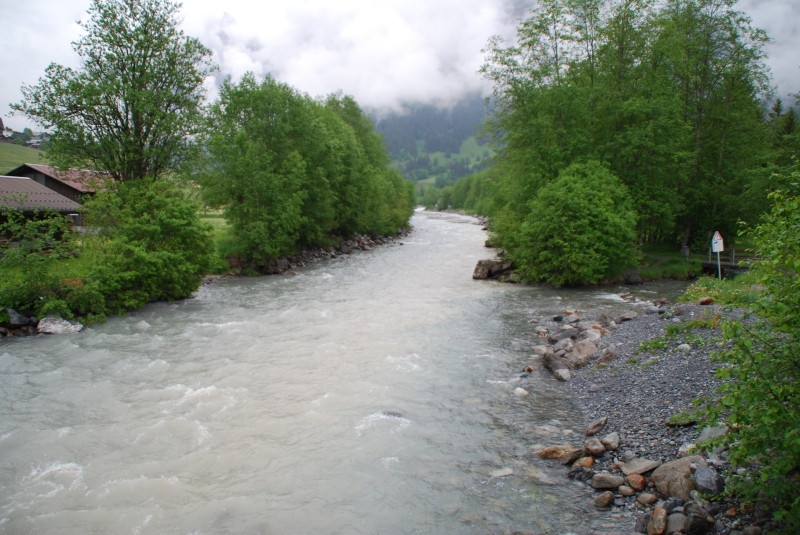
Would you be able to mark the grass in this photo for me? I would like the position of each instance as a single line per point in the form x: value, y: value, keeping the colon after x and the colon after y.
x: 671, y: 268
x: 650, y: 345
x: 739, y: 291
x: 469, y: 149
x: 12, y: 156
x: 683, y: 418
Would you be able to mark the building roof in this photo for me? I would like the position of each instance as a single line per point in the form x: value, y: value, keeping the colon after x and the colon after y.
x: 33, y: 195
x: 79, y: 179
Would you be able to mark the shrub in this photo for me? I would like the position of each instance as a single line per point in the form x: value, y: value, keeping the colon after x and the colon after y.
x: 580, y: 228
x: 760, y: 397
x: 152, y: 246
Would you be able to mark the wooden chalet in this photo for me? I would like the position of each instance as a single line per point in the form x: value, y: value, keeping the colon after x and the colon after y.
x: 26, y: 194
x: 73, y: 184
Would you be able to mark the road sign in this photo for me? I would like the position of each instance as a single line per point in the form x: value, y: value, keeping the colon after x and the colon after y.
x: 717, y: 245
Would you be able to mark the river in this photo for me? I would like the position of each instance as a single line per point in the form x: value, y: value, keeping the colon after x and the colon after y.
x: 371, y: 394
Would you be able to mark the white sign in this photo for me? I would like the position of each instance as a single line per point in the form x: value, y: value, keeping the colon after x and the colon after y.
x: 716, y: 243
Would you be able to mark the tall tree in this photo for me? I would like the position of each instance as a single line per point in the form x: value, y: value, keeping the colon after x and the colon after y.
x: 133, y: 104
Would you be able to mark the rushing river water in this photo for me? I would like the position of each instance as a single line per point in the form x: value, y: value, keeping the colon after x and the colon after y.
x: 370, y: 394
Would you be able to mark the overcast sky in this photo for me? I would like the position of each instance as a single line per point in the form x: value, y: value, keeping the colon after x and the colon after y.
x: 384, y: 52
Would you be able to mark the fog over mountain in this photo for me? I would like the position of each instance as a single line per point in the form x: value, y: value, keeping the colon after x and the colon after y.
x: 387, y: 53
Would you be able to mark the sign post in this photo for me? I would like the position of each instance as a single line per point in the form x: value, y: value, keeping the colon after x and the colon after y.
x: 717, y: 246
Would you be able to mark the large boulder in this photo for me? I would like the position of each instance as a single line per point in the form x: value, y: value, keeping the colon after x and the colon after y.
x: 492, y: 269
x: 675, y: 478
x: 16, y: 319
x: 708, y: 481
x: 56, y: 325
x: 580, y: 355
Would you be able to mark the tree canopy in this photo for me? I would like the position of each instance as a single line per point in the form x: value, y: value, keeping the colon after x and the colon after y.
x: 131, y: 107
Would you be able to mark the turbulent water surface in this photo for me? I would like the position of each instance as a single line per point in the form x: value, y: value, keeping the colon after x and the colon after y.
x: 370, y: 394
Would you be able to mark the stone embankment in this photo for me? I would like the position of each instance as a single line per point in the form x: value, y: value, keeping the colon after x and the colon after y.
x: 22, y: 325
x: 630, y: 379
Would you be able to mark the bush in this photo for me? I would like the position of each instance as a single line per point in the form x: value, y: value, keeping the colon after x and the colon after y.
x: 580, y: 228
x: 152, y: 246
x: 760, y: 398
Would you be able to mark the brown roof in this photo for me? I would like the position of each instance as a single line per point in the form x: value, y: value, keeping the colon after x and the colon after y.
x: 77, y: 178
x: 13, y: 189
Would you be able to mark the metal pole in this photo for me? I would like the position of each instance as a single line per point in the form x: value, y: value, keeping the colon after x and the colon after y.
x: 719, y: 268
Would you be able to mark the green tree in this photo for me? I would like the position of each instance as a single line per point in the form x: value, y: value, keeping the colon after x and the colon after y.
x: 28, y: 133
x: 581, y: 228
x: 131, y: 107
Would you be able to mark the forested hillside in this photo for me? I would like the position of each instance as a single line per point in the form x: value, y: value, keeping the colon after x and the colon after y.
x: 667, y: 98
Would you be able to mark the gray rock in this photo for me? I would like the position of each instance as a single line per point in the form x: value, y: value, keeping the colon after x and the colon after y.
x: 675, y: 522
x: 585, y: 326
x: 595, y: 447
x: 608, y: 356
x: 572, y: 318
x: 641, y: 523
x: 581, y: 353
x: 633, y: 279
x: 652, y: 310
x: 684, y: 348
x: 628, y: 316
x: 752, y: 530
x: 708, y: 481
x: 16, y: 319
x: 346, y: 250
x: 596, y: 426
x: 562, y: 375
x: 605, y: 480
x: 561, y: 335
x: 638, y: 466
x: 611, y: 441
x: 711, y: 432
x: 698, y: 524
x: 564, y: 345
x: 56, y: 325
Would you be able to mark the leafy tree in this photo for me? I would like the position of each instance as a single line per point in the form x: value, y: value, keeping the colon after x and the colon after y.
x: 28, y: 133
x: 580, y: 228
x: 132, y: 106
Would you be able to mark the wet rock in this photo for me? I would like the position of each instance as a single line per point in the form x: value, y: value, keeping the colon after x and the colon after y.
x: 675, y: 522
x: 708, y: 481
x: 573, y: 456
x: 16, y: 319
x: 557, y: 366
x: 606, y: 481
x: 625, y: 490
x: 561, y: 335
x: 56, y: 325
x: 584, y: 462
x: 658, y: 522
x: 540, y: 350
x: 595, y: 447
x: 639, y: 466
x: 596, y: 426
x: 675, y: 478
x: 521, y: 392
x: 636, y: 481
x: 555, y: 452
x: 346, y: 250
x: 705, y: 301
x: 646, y: 498
x: 502, y: 472
x: 603, y: 500
x: 572, y: 318
x: 611, y: 441
x: 492, y: 269
x: 698, y: 524
x: 641, y: 523
x: 632, y: 278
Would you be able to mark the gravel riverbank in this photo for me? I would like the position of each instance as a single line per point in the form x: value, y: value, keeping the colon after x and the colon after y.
x: 638, y: 462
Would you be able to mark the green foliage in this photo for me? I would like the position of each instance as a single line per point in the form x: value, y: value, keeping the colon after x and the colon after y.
x: 741, y: 291
x: 652, y: 344
x: 666, y: 94
x: 580, y: 228
x: 671, y: 268
x: 287, y: 170
x: 760, y: 396
x: 150, y: 245
x: 30, y: 261
x: 684, y: 418
x: 132, y: 105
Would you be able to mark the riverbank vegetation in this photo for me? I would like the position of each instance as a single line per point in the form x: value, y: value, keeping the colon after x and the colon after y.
x: 668, y: 97
x: 286, y: 171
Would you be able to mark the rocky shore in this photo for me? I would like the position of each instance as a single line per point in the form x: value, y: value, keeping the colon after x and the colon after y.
x: 23, y: 325
x: 635, y: 378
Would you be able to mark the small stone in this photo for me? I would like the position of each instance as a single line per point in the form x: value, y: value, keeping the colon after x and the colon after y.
x: 562, y: 375
x: 555, y: 452
x: 731, y: 513
x: 540, y: 350
x: 628, y: 316
x: 658, y: 522
x: 572, y: 318
x: 521, y: 392
x: 646, y: 498
x: 564, y: 345
x: 751, y: 530
x: 603, y: 500
x: 595, y: 447
x: 628, y: 456
x: 584, y: 462
x: 608, y: 356
x: 636, y: 481
x: 685, y: 348
x: 625, y: 490
x: 606, y: 481
x: 573, y: 456
x: 611, y: 441
x: 596, y: 426
x: 704, y: 301
x: 675, y: 522
x: 639, y: 466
